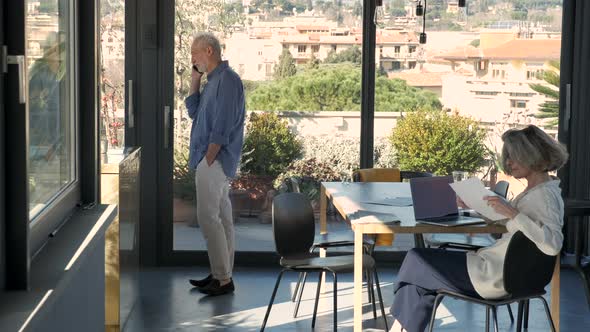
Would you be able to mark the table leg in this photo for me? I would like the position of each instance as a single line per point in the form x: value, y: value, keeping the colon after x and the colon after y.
x: 323, y: 229
x: 358, y: 279
x: 323, y: 210
x: 555, y: 293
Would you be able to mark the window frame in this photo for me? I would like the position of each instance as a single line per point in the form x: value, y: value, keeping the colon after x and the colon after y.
x: 62, y: 204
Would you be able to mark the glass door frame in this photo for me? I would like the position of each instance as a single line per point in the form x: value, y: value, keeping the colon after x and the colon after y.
x: 23, y: 238
x: 166, y: 255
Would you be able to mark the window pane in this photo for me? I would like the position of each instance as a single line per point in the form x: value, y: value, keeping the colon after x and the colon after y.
x: 301, y: 68
x: 112, y: 85
x: 51, y: 104
x: 496, y: 62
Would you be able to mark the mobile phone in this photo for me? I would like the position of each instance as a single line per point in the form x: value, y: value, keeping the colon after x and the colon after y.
x: 197, y: 69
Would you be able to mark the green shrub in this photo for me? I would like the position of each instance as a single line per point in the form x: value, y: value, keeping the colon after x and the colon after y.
x: 269, y: 145
x: 183, y: 177
x: 310, y: 173
x: 342, y: 153
x: 438, y: 143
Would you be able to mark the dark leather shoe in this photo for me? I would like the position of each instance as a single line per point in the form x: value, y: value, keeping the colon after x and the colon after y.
x: 214, y: 288
x: 202, y: 282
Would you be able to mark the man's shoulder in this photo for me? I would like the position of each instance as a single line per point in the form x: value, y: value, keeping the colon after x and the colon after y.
x: 231, y: 76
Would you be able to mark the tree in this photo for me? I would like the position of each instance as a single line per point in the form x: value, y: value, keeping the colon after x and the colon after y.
x: 313, y: 63
x: 337, y: 88
x: 549, y: 109
x: 397, y: 8
x: 352, y: 54
x: 286, y: 66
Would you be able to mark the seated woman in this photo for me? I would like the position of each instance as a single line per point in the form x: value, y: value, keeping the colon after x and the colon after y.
x: 538, y: 212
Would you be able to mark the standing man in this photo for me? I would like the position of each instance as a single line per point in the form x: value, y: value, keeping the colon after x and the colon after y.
x: 217, y: 136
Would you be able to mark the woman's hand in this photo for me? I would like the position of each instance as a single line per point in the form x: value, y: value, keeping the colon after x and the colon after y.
x: 501, y: 206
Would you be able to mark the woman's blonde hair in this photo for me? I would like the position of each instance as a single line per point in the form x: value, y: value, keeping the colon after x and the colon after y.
x: 532, y: 148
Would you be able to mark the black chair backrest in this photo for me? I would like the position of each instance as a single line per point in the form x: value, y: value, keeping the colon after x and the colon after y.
x: 292, y: 184
x: 293, y: 224
x: 501, y: 188
x: 412, y: 174
x: 527, y: 269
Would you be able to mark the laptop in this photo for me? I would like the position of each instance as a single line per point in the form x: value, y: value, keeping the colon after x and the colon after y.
x: 435, y: 203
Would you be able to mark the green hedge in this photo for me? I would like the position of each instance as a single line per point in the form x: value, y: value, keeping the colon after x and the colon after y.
x: 269, y: 145
x: 438, y: 143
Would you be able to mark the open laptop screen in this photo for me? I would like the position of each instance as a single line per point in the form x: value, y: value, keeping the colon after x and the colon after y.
x: 433, y: 197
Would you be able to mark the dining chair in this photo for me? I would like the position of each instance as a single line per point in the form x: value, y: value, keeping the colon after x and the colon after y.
x: 527, y: 270
x: 472, y: 241
x: 332, y: 239
x: 376, y: 175
x: 293, y: 226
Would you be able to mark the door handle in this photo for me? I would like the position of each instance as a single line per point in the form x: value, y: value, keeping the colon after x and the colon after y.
x: 18, y: 60
x: 130, y: 110
x: 166, y: 127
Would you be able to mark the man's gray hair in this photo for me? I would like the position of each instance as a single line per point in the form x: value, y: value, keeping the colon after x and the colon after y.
x: 532, y: 148
x: 205, y: 39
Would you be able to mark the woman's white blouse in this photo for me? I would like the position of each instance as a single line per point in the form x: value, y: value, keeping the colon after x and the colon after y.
x: 540, y: 218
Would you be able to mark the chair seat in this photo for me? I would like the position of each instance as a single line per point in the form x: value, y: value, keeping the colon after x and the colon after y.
x: 333, y: 263
x: 480, y: 240
x: 338, y: 239
x: 492, y: 302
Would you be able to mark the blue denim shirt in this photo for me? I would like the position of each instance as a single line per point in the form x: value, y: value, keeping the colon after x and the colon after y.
x: 218, y: 117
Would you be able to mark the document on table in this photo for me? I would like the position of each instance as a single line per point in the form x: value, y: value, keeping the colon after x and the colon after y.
x: 391, y: 201
x: 372, y: 217
x: 472, y: 192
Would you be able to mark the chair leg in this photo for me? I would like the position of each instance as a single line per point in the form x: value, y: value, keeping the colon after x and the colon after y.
x: 510, y: 313
x: 526, y: 314
x: 317, y: 298
x: 495, y: 315
x: 548, y: 312
x: 380, y: 298
x: 335, y: 302
x: 487, y: 319
x: 519, y: 316
x: 300, y: 295
x: 419, y: 241
x: 294, y: 297
x: 368, y: 280
x: 272, y: 298
x: 437, y: 301
x: 371, y: 291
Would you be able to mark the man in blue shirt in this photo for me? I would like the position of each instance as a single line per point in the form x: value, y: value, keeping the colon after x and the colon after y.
x: 216, y: 140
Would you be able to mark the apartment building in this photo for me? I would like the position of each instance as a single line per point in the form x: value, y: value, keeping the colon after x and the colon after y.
x: 492, y: 84
x: 259, y: 46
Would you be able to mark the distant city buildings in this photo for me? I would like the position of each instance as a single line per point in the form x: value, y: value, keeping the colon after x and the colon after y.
x: 255, y: 52
x: 492, y: 83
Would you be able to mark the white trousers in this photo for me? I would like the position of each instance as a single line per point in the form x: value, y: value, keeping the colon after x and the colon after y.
x: 214, y: 214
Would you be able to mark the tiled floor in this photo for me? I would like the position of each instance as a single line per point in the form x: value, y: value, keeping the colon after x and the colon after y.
x: 167, y: 303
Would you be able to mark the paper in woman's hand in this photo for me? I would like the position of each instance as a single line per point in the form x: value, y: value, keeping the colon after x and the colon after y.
x: 472, y: 192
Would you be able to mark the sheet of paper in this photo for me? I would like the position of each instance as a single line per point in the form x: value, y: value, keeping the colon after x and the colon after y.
x: 391, y: 201
x: 472, y: 192
x: 372, y: 217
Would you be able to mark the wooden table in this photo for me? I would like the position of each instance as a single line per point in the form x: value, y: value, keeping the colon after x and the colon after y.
x: 349, y: 197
